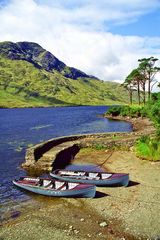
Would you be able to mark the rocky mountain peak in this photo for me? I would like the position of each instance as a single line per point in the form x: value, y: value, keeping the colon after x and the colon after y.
x: 35, y: 54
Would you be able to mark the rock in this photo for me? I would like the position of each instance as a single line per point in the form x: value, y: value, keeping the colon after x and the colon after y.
x: 76, y: 231
x: 82, y: 219
x: 71, y: 228
x: 89, y: 235
x: 103, y: 224
x: 99, y: 234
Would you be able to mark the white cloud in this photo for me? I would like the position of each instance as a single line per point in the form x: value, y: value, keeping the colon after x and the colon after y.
x: 76, y: 36
x: 91, y: 11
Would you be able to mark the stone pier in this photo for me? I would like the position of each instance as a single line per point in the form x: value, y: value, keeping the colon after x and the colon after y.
x: 58, y: 152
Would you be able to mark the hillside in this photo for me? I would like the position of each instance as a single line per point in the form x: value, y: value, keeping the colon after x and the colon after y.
x: 30, y: 76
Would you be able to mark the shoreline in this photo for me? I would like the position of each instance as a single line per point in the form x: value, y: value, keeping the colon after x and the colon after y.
x: 139, y: 124
x: 130, y: 213
x: 126, y: 213
x: 55, y: 106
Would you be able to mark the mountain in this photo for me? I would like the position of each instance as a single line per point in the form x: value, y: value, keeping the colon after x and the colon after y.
x: 30, y: 76
x: 39, y: 57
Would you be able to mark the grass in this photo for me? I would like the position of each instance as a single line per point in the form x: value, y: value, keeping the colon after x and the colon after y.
x: 99, y: 147
x: 148, y: 148
x: 9, y: 100
x: 24, y: 85
x: 86, y: 150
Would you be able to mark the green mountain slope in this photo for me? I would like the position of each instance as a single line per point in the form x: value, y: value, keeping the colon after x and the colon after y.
x: 32, y: 77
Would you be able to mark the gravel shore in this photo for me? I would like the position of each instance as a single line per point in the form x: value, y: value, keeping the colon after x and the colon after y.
x: 137, y: 206
x: 115, y: 213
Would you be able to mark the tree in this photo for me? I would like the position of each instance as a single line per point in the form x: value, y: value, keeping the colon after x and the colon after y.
x: 148, y: 69
x: 138, y: 83
x: 141, y: 77
x: 128, y: 84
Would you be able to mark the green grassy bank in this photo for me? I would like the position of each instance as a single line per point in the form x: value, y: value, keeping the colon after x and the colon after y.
x: 147, y: 147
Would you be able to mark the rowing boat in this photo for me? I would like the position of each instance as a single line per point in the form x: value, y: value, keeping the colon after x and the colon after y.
x: 96, y: 178
x: 55, y: 188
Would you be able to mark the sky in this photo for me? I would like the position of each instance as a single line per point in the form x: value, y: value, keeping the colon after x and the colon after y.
x: 104, y: 38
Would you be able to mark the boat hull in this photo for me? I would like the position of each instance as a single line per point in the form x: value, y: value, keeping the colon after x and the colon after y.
x: 117, y: 180
x: 83, y: 192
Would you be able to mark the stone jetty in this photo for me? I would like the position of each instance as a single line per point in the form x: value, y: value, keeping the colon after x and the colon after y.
x: 58, y: 152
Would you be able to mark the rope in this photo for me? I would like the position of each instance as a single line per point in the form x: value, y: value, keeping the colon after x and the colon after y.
x: 110, y: 154
x: 100, y: 165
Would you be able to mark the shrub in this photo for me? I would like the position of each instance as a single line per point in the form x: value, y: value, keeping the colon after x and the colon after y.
x: 155, y: 113
x: 144, y: 139
x: 135, y: 111
x: 99, y: 147
x: 143, y: 112
x: 148, y: 148
x: 125, y: 111
x: 114, y: 111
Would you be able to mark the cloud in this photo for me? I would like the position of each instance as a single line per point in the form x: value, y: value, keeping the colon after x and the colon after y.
x: 103, y: 11
x: 75, y: 32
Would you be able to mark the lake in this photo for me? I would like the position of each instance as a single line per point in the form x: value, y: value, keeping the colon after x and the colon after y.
x: 19, y: 128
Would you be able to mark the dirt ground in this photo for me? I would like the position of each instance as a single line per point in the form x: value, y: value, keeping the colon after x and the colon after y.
x: 131, y: 212
x: 137, y: 206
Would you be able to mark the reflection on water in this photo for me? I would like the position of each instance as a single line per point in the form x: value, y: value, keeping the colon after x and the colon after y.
x: 40, y: 126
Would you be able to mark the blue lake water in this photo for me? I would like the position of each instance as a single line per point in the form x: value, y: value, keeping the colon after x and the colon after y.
x: 22, y: 127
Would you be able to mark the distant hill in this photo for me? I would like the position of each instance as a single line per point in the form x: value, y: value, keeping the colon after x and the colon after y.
x: 30, y: 76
